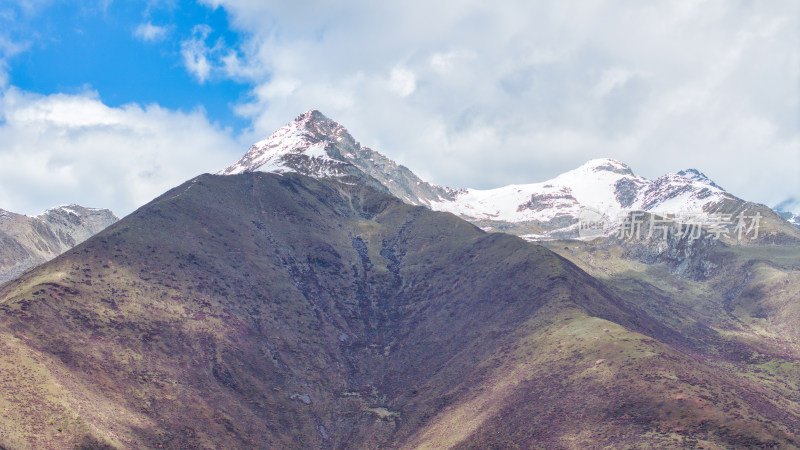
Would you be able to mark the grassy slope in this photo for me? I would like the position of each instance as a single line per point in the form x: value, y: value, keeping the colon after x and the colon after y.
x: 269, y: 311
x: 742, y: 320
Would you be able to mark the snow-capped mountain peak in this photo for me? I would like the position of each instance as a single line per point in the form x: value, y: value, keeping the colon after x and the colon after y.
x: 316, y: 146
x: 605, y: 165
x: 606, y: 186
x: 301, y: 146
x: 789, y: 209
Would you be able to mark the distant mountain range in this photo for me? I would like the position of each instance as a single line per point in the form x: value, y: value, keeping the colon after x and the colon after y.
x: 317, y: 146
x: 28, y: 241
x: 789, y: 209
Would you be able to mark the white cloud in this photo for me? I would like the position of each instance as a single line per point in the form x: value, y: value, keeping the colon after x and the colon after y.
x: 463, y: 92
x: 611, y: 79
x: 402, y: 82
x: 3, y: 74
x: 196, y: 53
x: 519, y: 91
x: 72, y: 148
x: 150, y: 33
x: 445, y: 62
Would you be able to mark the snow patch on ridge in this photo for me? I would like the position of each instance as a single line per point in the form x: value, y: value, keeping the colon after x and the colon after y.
x: 591, y: 185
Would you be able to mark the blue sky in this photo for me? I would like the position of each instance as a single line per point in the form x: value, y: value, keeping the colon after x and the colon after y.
x: 106, y: 47
x: 109, y: 103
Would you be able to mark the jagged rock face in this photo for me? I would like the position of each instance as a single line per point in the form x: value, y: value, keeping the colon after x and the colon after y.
x: 317, y: 146
x: 684, y: 249
x: 626, y: 190
x: 28, y: 241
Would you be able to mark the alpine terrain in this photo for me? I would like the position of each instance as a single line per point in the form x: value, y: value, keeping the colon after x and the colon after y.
x: 317, y: 295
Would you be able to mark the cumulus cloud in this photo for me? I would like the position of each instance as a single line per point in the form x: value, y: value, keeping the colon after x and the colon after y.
x: 611, y: 79
x: 462, y: 92
x: 150, y: 33
x: 470, y: 94
x: 403, y: 82
x: 196, y: 53
x: 74, y: 149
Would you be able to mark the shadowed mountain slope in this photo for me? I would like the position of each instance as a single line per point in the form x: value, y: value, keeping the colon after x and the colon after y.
x: 281, y: 311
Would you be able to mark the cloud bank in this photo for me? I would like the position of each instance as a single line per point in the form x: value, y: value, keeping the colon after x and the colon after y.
x: 469, y: 94
x: 61, y: 149
x: 465, y: 93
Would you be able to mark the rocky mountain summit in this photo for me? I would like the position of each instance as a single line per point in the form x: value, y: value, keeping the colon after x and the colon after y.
x: 317, y: 146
